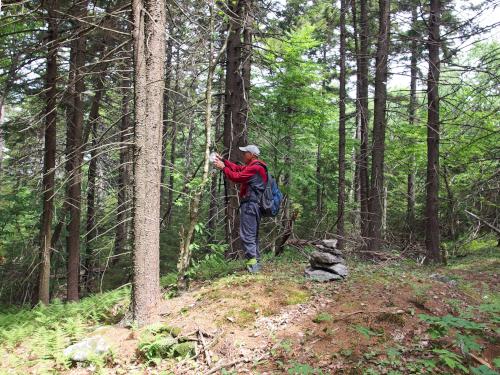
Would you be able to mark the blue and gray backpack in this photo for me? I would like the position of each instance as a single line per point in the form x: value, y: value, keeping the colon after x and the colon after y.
x: 271, y: 197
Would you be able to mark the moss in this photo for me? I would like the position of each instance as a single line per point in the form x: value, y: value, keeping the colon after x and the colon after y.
x: 296, y: 296
x: 184, y: 349
x: 322, y: 317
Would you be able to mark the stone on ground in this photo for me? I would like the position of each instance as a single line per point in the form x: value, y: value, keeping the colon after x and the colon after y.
x: 86, y: 349
x: 321, y: 275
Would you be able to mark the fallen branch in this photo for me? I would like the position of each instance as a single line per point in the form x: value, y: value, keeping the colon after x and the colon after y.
x: 483, y: 221
x: 232, y: 363
x: 204, y: 347
x: 481, y: 361
x: 368, y: 312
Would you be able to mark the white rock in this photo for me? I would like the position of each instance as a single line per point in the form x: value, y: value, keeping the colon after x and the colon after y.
x: 85, y: 349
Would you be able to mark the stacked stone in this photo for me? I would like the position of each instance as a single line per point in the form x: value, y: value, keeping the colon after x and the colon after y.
x: 326, y: 262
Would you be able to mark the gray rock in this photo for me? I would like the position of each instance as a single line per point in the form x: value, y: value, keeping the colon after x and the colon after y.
x: 320, y: 275
x: 328, y: 249
x: 339, y: 269
x: 86, y: 349
x: 332, y: 244
x: 320, y: 257
x: 443, y: 279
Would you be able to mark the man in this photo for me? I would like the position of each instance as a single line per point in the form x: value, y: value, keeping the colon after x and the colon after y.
x: 253, y: 178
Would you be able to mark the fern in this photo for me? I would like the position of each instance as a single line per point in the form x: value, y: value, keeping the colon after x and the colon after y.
x: 450, y: 359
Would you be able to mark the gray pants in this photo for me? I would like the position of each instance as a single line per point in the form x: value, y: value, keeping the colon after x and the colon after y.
x: 249, y: 229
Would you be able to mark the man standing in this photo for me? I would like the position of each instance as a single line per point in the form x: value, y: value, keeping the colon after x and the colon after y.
x: 253, y: 178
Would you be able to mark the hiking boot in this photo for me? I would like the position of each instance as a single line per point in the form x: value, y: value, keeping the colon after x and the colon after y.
x: 253, y: 266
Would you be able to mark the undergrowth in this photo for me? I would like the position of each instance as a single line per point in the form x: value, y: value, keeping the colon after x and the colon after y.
x: 45, y: 331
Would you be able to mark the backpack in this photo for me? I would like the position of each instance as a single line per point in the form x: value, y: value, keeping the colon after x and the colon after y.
x: 271, y: 197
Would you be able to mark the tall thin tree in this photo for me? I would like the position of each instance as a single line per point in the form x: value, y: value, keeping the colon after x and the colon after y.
x: 376, y: 200
x: 75, y: 149
x: 149, y: 83
x: 342, y: 106
x: 235, y: 129
x: 49, y: 160
x: 363, y: 60
x: 412, y: 112
x: 432, y: 237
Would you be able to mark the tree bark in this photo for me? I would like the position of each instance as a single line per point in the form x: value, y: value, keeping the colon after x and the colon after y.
x: 75, y: 156
x: 363, y: 59
x: 412, y: 110
x: 376, y: 201
x: 342, y: 99
x: 235, y: 131
x: 92, y: 174
x: 124, y: 177
x: 49, y: 160
x: 149, y: 83
x: 213, y: 207
x: 432, y: 238
x: 357, y: 151
x: 173, y: 144
x: 166, y: 110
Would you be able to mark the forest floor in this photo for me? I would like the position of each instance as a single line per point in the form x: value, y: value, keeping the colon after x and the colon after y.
x: 395, y: 317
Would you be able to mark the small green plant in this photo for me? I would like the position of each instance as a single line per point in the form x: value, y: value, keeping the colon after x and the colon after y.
x: 483, y: 370
x: 367, y: 332
x: 296, y: 296
x: 440, y: 325
x: 450, y: 359
x: 322, y: 317
x: 303, y: 369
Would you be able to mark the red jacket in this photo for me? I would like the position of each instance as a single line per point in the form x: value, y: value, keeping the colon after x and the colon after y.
x: 242, y: 174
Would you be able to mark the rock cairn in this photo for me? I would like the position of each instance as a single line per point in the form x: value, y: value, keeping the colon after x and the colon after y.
x: 326, y: 262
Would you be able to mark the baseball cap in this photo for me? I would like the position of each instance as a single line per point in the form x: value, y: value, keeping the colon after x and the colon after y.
x: 252, y: 149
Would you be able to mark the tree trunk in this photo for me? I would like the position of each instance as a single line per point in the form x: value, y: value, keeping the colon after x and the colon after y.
x: 149, y: 68
x: 166, y: 110
x: 452, y: 218
x: 357, y: 152
x: 213, y: 207
x: 410, y: 210
x: 342, y: 99
x: 432, y: 241
x: 376, y: 202
x: 92, y: 174
x: 75, y: 156
x: 49, y: 160
x: 124, y: 177
x: 363, y: 59
x: 173, y: 144
x: 235, y: 132
x: 319, y: 192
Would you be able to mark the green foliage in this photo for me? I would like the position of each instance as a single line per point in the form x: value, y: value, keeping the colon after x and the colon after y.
x: 450, y: 359
x: 213, y: 265
x: 47, y: 330
x: 483, y: 370
x: 365, y: 331
x: 322, y: 317
x: 441, y: 325
x: 467, y: 343
x: 303, y: 369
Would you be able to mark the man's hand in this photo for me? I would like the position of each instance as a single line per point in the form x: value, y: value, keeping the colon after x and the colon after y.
x: 217, y: 155
x: 219, y: 164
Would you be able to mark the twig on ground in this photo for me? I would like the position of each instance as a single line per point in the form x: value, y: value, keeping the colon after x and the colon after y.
x: 481, y: 361
x: 235, y: 362
x: 204, y: 347
x: 368, y: 312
